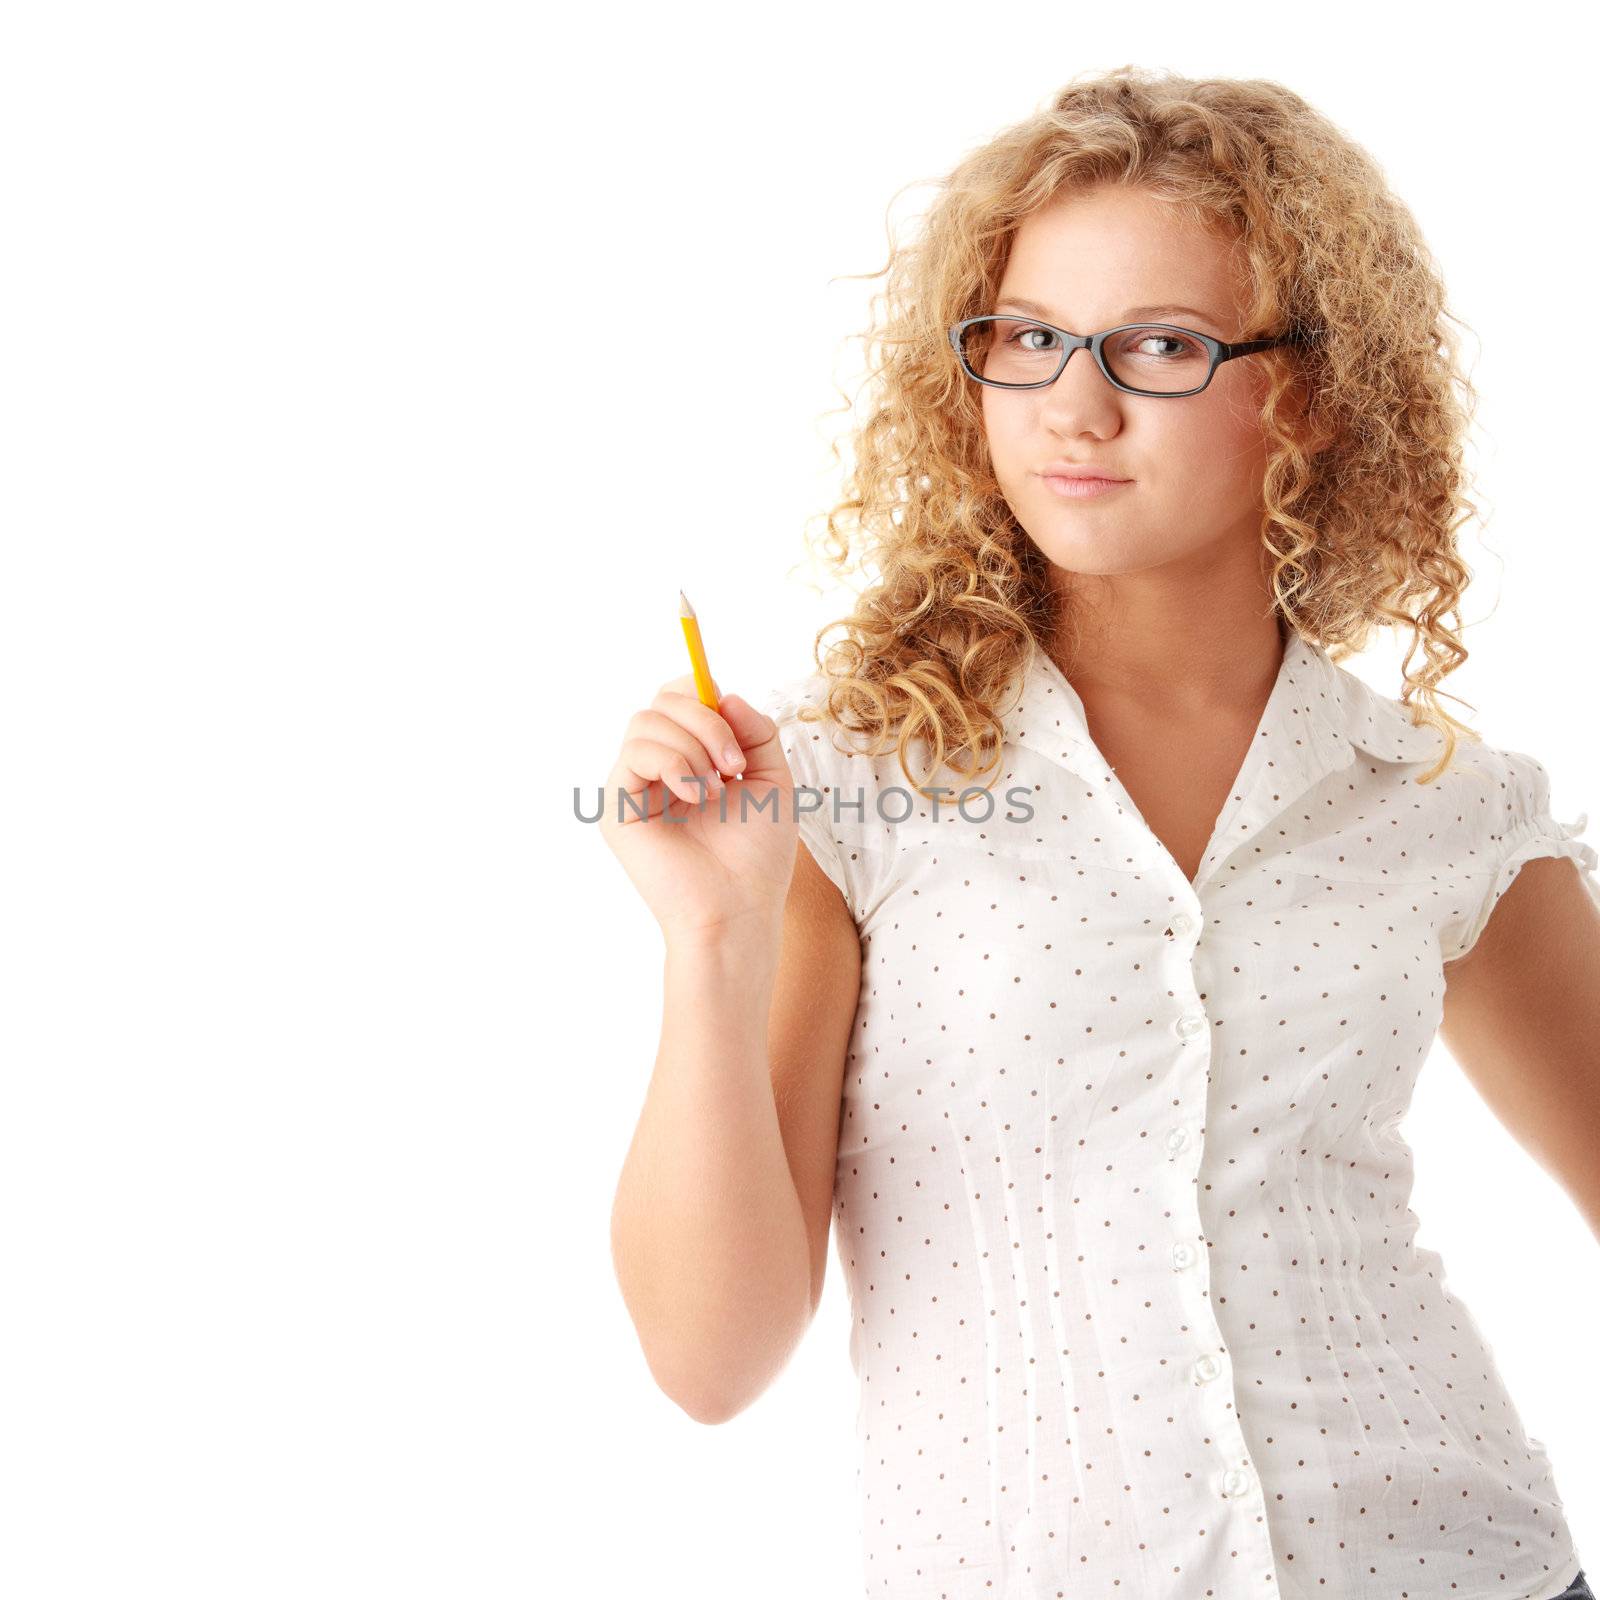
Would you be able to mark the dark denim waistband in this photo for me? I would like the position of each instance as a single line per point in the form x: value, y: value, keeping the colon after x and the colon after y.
x: 1578, y: 1590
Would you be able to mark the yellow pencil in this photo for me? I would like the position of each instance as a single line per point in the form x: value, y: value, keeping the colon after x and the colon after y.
x: 697, y: 653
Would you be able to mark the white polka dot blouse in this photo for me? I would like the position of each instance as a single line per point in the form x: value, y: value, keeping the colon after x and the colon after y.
x: 1121, y: 1200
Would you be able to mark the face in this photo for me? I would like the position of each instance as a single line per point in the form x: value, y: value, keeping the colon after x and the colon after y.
x: 1195, y: 464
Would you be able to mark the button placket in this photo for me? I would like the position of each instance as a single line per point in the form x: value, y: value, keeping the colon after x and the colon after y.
x: 1237, y: 1482
x: 1191, y: 1025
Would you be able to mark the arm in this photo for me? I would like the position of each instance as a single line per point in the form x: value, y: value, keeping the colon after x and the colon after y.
x: 720, y: 1224
x: 1522, y: 1017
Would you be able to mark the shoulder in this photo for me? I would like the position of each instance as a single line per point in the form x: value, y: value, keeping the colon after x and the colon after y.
x: 783, y: 701
x: 840, y: 813
x: 807, y: 729
x: 1489, y: 784
x: 1504, y: 818
x: 1503, y: 794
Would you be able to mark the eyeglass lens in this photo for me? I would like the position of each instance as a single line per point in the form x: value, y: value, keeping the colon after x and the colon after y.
x: 1157, y: 360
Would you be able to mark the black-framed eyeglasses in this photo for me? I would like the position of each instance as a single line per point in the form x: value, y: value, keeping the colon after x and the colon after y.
x: 1009, y: 352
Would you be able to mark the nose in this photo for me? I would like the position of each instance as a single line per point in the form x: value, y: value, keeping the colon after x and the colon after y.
x: 1081, y: 393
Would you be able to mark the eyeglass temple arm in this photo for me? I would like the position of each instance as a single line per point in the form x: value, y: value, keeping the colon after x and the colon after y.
x: 1299, y: 336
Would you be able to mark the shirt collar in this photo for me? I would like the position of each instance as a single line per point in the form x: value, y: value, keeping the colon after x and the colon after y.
x: 1317, y: 717
x: 1326, y: 706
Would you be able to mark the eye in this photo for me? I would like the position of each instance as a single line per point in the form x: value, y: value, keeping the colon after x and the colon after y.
x: 1159, y: 344
x: 1023, y: 336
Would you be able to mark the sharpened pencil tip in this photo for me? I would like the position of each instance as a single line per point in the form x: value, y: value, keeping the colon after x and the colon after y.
x: 684, y: 608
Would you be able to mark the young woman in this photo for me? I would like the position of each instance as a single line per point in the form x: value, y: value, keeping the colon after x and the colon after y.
x: 1128, y: 916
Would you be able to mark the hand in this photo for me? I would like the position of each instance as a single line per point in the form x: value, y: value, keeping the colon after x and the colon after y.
x: 720, y: 864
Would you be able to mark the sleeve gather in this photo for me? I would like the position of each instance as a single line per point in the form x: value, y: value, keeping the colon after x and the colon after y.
x: 801, y: 743
x: 1528, y: 832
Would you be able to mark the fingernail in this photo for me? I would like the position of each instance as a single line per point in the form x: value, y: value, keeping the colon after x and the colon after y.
x: 733, y: 757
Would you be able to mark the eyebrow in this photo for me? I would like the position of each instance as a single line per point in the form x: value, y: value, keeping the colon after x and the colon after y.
x: 1132, y: 314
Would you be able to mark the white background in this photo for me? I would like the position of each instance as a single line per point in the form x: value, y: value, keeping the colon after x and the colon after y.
x: 330, y: 571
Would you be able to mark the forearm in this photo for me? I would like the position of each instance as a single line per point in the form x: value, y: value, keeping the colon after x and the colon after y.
x: 1585, y: 1192
x: 708, y: 1236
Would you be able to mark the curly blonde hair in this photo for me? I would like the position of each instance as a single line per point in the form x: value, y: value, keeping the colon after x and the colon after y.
x: 1357, y: 535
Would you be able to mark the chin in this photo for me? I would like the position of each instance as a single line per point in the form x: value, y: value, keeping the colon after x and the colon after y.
x: 1099, y: 553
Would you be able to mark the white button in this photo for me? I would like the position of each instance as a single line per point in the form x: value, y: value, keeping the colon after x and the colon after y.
x: 1181, y: 925
x: 1206, y: 1368
x: 1235, y: 1481
x: 1175, y: 1139
x: 1182, y: 1255
x: 1190, y: 1023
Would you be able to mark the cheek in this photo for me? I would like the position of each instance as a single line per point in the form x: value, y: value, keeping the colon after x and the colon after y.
x: 994, y: 416
x: 1221, y: 447
x: 1005, y: 429
x: 1238, y: 413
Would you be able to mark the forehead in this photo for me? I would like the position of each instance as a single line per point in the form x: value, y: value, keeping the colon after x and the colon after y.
x: 1096, y: 256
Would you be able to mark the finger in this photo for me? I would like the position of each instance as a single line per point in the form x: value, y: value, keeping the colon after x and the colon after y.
x: 664, y: 760
x: 645, y: 801
x: 687, y: 684
x: 711, y: 728
x: 664, y: 728
x: 757, y: 734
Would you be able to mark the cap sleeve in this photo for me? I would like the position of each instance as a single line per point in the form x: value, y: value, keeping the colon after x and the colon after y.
x: 825, y: 788
x: 1525, y: 829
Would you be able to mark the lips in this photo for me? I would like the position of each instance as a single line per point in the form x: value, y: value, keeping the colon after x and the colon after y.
x: 1080, y: 487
